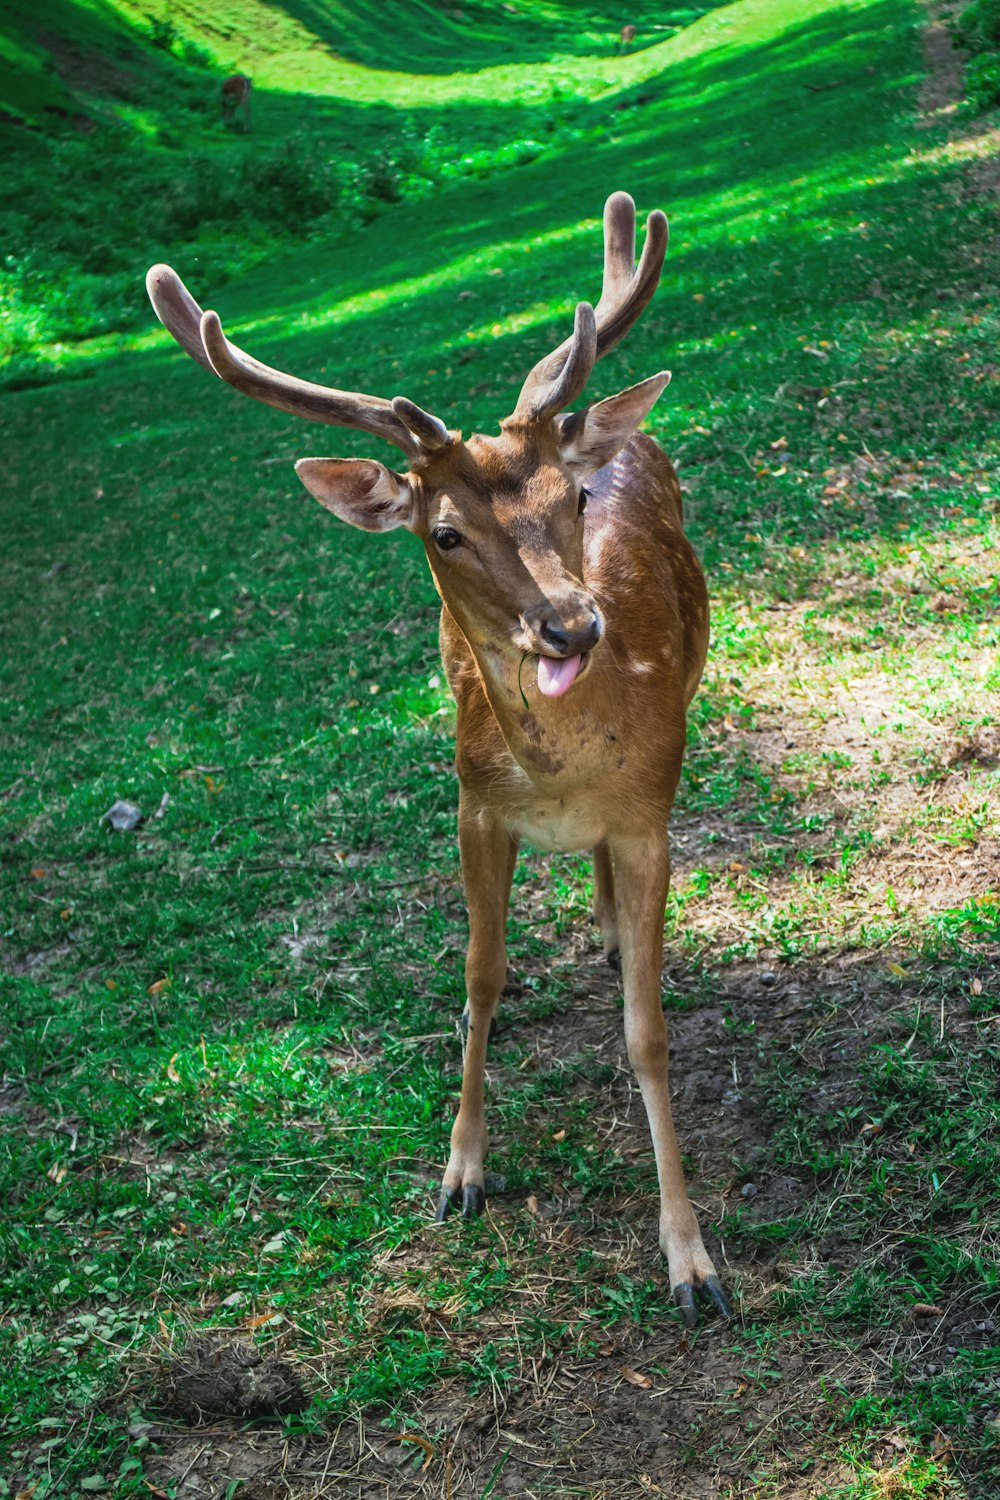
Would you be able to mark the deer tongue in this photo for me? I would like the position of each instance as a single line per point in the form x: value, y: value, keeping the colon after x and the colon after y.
x: 557, y: 674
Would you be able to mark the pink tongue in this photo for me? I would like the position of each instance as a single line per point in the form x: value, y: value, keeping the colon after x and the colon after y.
x: 556, y: 674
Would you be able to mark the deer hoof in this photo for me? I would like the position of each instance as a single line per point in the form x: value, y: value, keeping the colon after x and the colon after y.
x: 473, y: 1201
x: 450, y: 1198
x: 709, y: 1293
x: 712, y: 1294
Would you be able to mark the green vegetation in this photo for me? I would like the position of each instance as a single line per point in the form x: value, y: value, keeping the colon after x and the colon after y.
x: 229, y: 1044
x: 978, y: 31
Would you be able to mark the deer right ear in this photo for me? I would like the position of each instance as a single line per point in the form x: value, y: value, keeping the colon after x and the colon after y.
x: 360, y: 491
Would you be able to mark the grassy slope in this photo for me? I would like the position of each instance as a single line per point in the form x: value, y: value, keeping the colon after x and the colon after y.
x: 207, y: 1016
x: 127, y: 154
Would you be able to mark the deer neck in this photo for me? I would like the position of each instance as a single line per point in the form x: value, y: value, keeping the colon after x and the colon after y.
x: 548, y: 737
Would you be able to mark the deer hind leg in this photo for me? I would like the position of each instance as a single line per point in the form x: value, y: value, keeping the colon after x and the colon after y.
x: 605, y: 911
x: 488, y: 855
x: 642, y: 873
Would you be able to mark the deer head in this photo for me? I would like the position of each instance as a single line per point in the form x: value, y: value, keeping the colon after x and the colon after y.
x: 501, y: 518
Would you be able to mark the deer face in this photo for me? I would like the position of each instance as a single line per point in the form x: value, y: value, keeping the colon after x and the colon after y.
x: 502, y: 520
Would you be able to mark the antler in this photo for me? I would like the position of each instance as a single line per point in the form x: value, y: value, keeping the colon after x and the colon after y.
x: 200, y: 335
x: 560, y: 377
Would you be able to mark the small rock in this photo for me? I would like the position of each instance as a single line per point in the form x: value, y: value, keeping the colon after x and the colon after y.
x: 122, y: 816
x: 768, y: 978
x: 140, y: 1428
x: 749, y: 1190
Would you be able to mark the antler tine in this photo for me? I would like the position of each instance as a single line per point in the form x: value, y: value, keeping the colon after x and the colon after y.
x: 560, y: 377
x: 619, y: 249
x: 200, y: 334
x: 626, y: 291
x: 177, y: 311
x: 430, y: 431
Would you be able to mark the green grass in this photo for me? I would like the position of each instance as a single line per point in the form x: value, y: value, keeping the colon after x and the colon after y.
x: 229, y: 1057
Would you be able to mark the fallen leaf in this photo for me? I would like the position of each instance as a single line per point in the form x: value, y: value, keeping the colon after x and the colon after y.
x: 977, y: 986
x: 420, y: 1442
x: 172, y: 1072
x: 635, y: 1377
x: 927, y: 1310
x: 560, y: 1135
x: 158, y: 986
x: 875, y: 1128
x: 531, y: 1203
x: 941, y: 1446
x: 57, y: 1172
x: 38, y: 872
x: 262, y: 1318
x: 896, y: 969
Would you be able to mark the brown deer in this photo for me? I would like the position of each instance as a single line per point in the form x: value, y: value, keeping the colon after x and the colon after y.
x: 235, y: 97
x: 626, y: 37
x: 574, y: 625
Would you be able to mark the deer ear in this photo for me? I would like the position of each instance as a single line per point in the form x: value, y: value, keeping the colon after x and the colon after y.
x: 590, y: 438
x: 360, y: 491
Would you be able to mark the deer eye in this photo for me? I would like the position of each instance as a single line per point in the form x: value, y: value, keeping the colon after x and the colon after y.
x: 582, y: 506
x: 446, y: 537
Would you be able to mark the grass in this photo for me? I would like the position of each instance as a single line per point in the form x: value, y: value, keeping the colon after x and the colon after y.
x: 230, y: 1059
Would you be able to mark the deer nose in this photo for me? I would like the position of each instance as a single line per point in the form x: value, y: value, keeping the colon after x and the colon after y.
x: 571, y: 642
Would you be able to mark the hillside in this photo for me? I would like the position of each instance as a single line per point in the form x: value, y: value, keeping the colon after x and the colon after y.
x: 117, y: 152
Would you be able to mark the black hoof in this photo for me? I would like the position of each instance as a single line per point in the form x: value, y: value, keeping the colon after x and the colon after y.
x: 473, y: 1201
x: 709, y: 1294
x: 450, y: 1198
x: 614, y: 960
x: 712, y: 1294
x: 684, y: 1297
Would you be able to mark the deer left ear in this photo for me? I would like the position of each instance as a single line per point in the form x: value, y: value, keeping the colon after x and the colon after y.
x: 360, y: 491
x: 589, y: 439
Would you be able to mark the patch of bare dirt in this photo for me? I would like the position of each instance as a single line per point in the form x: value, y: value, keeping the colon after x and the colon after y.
x: 215, y: 1376
x: 89, y: 71
x: 974, y: 142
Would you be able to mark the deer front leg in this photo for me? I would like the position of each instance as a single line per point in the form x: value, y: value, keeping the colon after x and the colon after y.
x: 488, y: 854
x: 642, y: 877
